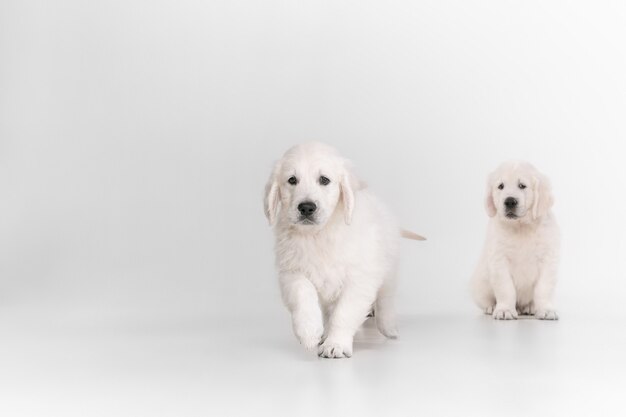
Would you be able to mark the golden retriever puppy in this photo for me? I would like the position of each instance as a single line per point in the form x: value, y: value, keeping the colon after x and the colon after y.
x: 336, y: 249
x: 517, y: 271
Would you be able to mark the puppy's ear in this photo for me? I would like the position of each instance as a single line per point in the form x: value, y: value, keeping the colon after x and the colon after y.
x: 490, y: 206
x: 272, y: 195
x: 542, y: 196
x: 349, y: 184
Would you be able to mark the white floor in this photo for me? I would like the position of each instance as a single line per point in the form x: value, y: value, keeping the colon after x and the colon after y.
x: 441, y: 366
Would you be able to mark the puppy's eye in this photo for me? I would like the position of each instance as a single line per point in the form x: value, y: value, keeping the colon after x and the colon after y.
x: 324, y: 180
x: 292, y: 180
x: 521, y: 186
x: 501, y: 186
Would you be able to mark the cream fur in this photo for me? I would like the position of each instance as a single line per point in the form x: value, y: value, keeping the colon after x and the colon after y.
x: 517, y: 271
x: 331, y: 273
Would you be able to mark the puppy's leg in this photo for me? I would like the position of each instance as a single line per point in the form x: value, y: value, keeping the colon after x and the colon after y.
x: 349, y: 313
x: 300, y: 297
x: 543, y: 293
x: 482, y: 291
x: 385, y: 312
x: 504, y: 291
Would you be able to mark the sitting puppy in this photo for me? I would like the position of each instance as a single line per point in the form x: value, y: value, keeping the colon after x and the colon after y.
x: 336, y: 249
x: 518, y: 268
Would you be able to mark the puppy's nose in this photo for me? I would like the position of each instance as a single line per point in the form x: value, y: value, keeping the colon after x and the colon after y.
x: 510, y: 203
x: 307, y: 208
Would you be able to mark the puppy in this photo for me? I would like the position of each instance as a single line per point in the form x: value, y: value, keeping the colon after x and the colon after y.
x: 517, y: 271
x: 336, y: 249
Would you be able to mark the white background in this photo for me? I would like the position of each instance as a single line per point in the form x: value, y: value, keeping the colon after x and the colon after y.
x: 136, y: 138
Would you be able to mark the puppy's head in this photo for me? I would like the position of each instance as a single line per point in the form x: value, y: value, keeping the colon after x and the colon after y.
x: 308, y: 184
x: 517, y: 192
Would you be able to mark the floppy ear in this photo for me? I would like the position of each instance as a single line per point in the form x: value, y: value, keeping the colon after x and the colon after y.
x: 348, y: 198
x: 272, y: 195
x: 349, y: 183
x: 489, y: 204
x: 542, y: 196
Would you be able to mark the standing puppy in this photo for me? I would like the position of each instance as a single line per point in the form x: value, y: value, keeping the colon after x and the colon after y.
x: 336, y: 249
x: 518, y: 268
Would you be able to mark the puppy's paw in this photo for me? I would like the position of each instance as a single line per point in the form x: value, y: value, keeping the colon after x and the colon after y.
x: 489, y: 310
x: 502, y: 313
x: 525, y: 310
x: 389, y: 332
x: 310, y: 343
x: 387, y: 328
x: 546, y: 314
x: 334, y: 348
x: 309, y: 336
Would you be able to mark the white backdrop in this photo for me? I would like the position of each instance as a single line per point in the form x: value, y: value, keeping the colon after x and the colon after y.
x: 136, y: 138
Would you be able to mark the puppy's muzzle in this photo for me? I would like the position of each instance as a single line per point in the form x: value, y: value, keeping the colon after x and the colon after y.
x: 307, y: 209
x: 511, y: 206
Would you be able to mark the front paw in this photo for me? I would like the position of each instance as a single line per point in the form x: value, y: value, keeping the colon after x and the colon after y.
x: 309, y: 335
x: 546, y: 314
x: 503, y: 313
x: 334, y: 348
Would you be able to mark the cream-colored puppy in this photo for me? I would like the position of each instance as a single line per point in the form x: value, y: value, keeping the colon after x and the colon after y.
x: 517, y: 271
x: 336, y: 249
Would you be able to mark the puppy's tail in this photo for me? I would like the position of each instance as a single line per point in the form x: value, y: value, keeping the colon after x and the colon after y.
x: 407, y: 234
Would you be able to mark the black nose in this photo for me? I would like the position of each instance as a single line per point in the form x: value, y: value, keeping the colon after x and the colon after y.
x: 307, y: 208
x: 510, y: 203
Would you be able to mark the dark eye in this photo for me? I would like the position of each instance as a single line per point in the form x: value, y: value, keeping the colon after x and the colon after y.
x: 292, y: 180
x: 324, y: 180
x: 521, y: 186
x: 501, y: 186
